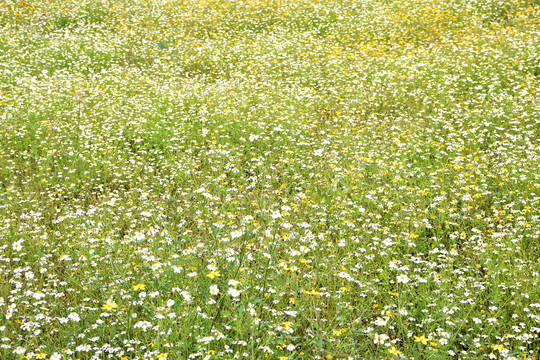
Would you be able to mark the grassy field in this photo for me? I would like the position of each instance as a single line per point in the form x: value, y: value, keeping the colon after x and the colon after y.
x: 270, y: 179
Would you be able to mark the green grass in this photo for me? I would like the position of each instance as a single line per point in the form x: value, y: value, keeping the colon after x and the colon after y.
x: 281, y: 179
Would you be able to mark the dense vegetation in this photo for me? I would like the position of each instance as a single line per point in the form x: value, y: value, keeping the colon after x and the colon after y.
x: 281, y: 179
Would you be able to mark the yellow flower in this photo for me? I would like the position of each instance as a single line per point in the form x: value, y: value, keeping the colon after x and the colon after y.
x: 421, y: 339
x: 109, y: 306
x: 162, y: 356
x: 213, y: 274
x: 497, y: 347
x: 139, y: 287
x: 41, y: 356
x: 394, y: 351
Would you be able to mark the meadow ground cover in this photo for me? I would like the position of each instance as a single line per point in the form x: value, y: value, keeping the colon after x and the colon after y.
x: 281, y: 179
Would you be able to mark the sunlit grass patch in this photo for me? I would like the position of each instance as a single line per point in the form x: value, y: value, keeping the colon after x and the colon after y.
x: 269, y: 179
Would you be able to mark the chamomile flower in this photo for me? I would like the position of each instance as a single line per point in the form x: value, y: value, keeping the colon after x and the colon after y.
x: 214, y: 290
x: 403, y: 279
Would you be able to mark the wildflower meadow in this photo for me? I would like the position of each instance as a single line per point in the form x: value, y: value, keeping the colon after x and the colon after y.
x: 269, y: 179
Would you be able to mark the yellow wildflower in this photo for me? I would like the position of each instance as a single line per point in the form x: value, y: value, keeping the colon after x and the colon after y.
x: 421, y: 339
x: 139, y: 287
x: 213, y: 274
x: 109, y: 305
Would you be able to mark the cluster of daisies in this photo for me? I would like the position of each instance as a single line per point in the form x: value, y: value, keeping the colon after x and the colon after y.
x: 281, y: 179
